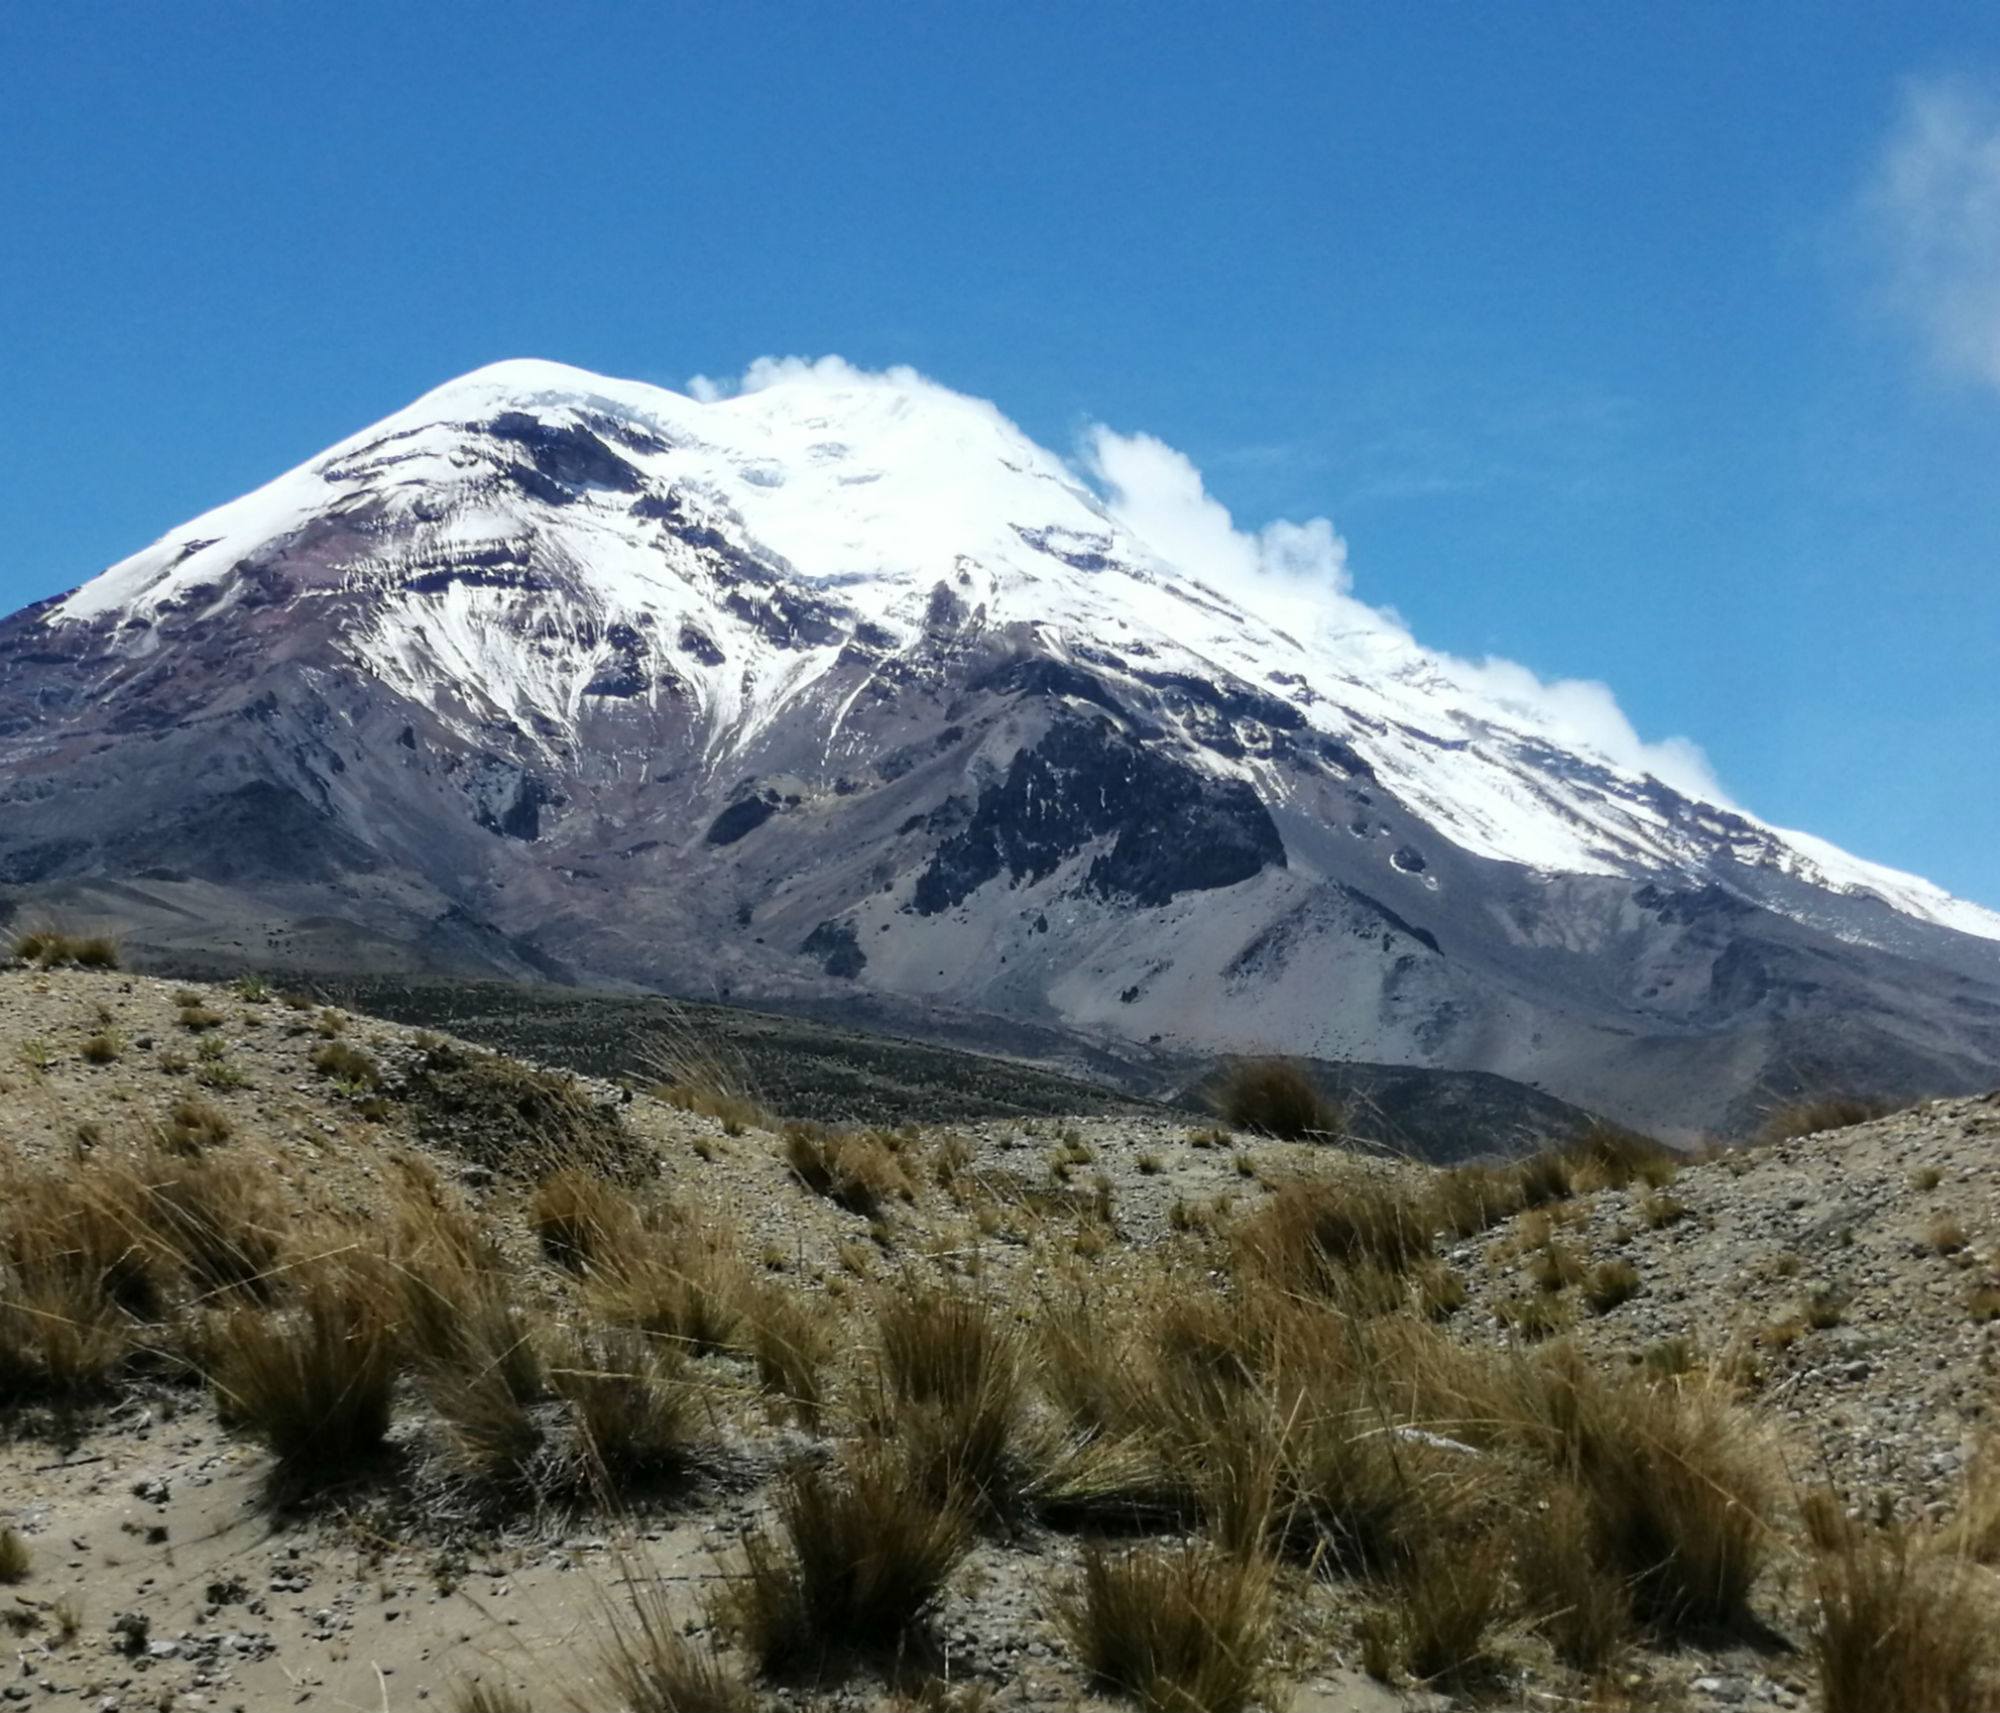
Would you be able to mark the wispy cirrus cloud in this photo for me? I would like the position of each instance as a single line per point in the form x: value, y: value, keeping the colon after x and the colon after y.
x: 1931, y: 206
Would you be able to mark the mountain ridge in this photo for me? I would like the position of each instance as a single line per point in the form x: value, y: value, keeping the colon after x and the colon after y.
x: 841, y: 684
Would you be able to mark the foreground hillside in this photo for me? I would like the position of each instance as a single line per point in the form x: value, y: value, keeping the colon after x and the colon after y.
x: 344, y: 1364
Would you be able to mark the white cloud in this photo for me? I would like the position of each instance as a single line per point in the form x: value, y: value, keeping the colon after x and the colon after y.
x: 767, y: 372
x: 1296, y: 575
x: 1932, y: 204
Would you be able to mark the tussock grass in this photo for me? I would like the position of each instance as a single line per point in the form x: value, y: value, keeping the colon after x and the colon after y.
x: 957, y: 1399
x: 217, y: 1216
x: 581, y: 1221
x: 1679, y: 1499
x: 314, y: 1382
x: 638, y: 1415
x: 494, y: 1434
x: 1585, y: 1614
x: 1448, y: 1599
x: 684, y: 1284
x: 861, y: 1173
x: 193, y: 1124
x: 1313, y: 1232
x: 1610, y: 1283
x: 857, y: 1566
x: 1815, y: 1113
x: 792, y: 1343
x: 654, y: 1669
x: 1897, y: 1626
x: 700, y: 1073
x: 15, y: 1558
x: 346, y: 1063
x: 1277, y: 1097
x: 1180, y: 1629
x: 83, y: 1235
x: 60, y: 1338
x: 51, y: 948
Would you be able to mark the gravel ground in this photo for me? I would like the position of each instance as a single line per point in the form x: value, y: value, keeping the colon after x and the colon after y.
x: 1834, y: 1278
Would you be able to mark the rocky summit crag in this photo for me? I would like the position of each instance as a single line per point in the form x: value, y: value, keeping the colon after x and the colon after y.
x: 842, y: 695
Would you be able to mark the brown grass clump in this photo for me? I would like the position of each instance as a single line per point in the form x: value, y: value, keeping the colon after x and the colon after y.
x: 1585, y: 1614
x: 1276, y: 1097
x: 581, y: 1221
x: 637, y: 1413
x: 1608, y: 1156
x: 1895, y: 1626
x: 792, y: 1342
x: 347, y: 1064
x: 1609, y: 1284
x: 699, y: 1073
x: 60, y: 1338
x: 1555, y: 1266
x: 216, y: 1216
x: 193, y: 1124
x: 653, y: 1669
x: 50, y: 948
x: 314, y: 1382
x: 1945, y: 1235
x: 858, y: 1565
x: 1180, y: 1630
x: 106, y: 1047
x: 1810, y: 1116
x: 1679, y: 1501
x: 1448, y: 1598
x: 956, y: 1399
x: 15, y: 1559
x: 82, y: 1236
x: 858, y: 1172
x: 686, y: 1285
x: 1309, y: 1236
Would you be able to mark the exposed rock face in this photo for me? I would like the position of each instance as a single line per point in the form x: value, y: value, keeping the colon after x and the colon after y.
x: 845, y: 695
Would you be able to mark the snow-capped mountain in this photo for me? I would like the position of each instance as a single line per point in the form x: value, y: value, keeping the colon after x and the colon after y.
x: 842, y: 690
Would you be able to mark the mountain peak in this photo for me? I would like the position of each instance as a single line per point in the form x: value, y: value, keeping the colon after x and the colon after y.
x: 849, y: 652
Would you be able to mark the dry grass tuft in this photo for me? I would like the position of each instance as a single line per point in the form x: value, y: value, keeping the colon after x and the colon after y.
x: 193, y: 1124
x: 15, y: 1558
x: 1810, y: 1116
x: 1679, y: 1499
x: 1276, y: 1097
x: 581, y: 1221
x: 1895, y: 1626
x: 1585, y: 1614
x: 792, y: 1343
x: 49, y: 948
x: 638, y: 1415
x: 654, y: 1669
x: 1180, y: 1630
x: 313, y: 1383
x: 1448, y: 1599
x: 1310, y: 1236
x: 685, y: 1283
x: 956, y: 1399
x: 216, y: 1216
x: 702, y: 1074
x: 1609, y: 1284
x: 858, y: 1566
x: 858, y: 1172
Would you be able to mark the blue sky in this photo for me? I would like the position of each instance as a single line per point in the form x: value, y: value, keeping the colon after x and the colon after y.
x: 1657, y: 344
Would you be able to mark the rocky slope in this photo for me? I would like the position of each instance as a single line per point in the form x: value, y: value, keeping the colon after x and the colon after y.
x: 843, y: 694
x: 1843, y: 1287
